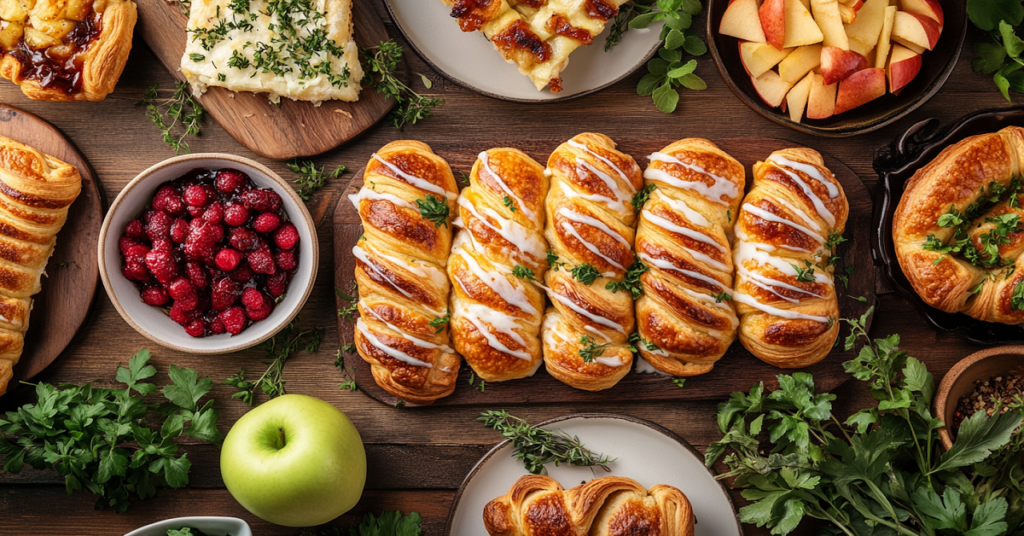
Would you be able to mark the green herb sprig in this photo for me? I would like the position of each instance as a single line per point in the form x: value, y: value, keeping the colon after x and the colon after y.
x: 167, y: 114
x: 642, y: 195
x: 434, y: 210
x: 381, y: 63
x: 387, y: 524
x: 352, y: 298
x: 537, y: 447
x: 279, y: 348
x: 441, y: 322
x: 585, y: 273
x: 309, y: 178
x: 589, y: 349
x: 631, y: 281
x: 999, y: 53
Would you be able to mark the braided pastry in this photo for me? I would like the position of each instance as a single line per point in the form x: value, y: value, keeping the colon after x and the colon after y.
x: 590, y: 221
x: 784, y: 290
x: 612, y: 506
x: 974, y: 184
x: 400, y: 263
x: 496, y: 315
x: 685, y: 320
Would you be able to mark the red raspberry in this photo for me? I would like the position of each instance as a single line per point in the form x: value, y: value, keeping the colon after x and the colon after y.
x: 163, y: 245
x: 261, y: 261
x: 286, y: 260
x: 197, y: 274
x: 135, y: 229
x: 179, y: 230
x: 201, y: 243
x: 233, y: 319
x: 243, y: 239
x: 195, y: 196
x: 125, y: 243
x: 155, y: 295
x: 259, y: 313
x: 236, y: 215
x: 196, y: 328
x: 158, y: 226
x: 228, y: 259
x: 224, y: 293
x: 162, y: 265
x: 262, y: 200
x: 181, y: 288
x: 214, y: 213
x: 242, y: 274
x: 266, y: 222
x: 196, y: 212
x: 180, y: 315
x: 287, y: 236
x: 134, y: 271
x: 252, y: 298
x: 277, y: 284
x: 216, y: 327
x: 167, y: 200
x: 228, y: 181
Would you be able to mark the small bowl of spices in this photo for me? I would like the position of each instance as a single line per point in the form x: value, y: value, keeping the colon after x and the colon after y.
x: 979, y: 382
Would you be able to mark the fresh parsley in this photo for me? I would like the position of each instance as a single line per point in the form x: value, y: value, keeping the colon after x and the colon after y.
x: 1017, y: 298
x: 635, y: 340
x: 999, y: 52
x: 507, y: 201
x: 434, y: 210
x: 279, y: 348
x: 721, y: 296
x: 309, y: 178
x: 523, y: 272
x: 667, y: 71
x: 381, y: 66
x: 642, y: 195
x: 631, y: 281
x: 440, y: 322
x: 806, y: 274
x: 590, y: 350
x: 387, y: 524
x: 585, y: 273
x: 679, y: 381
x: 553, y: 263
x: 537, y: 447
x: 167, y: 114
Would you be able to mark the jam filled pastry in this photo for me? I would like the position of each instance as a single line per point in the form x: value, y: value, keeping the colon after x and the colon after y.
x: 685, y: 317
x: 405, y: 204
x: 36, y: 191
x: 65, y: 50
x: 497, y: 257
x: 590, y: 218
x: 784, y: 291
x: 612, y: 505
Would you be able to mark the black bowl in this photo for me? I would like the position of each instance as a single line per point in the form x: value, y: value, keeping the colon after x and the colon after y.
x: 935, y: 69
x: 896, y: 164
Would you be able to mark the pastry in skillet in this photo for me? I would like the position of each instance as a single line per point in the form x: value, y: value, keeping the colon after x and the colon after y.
x: 685, y: 317
x: 612, y: 505
x: 784, y: 291
x: 36, y: 191
x: 400, y: 269
x: 496, y: 307
x: 590, y: 219
x: 65, y: 50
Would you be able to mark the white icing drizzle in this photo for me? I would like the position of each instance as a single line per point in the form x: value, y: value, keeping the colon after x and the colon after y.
x: 791, y: 315
x: 574, y: 216
x: 593, y: 249
x: 512, y: 293
x: 768, y: 216
x: 749, y: 251
x: 714, y: 193
x: 436, y: 275
x: 613, y: 362
x: 476, y: 314
x: 680, y: 206
x: 705, y: 298
x: 597, y: 332
x: 803, y: 215
x: 644, y: 367
x: 819, y: 207
x: 613, y: 204
x: 809, y: 170
x: 366, y: 193
x: 396, y: 354
x: 485, y: 161
x: 583, y: 147
x: 666, y: 265
x: 761, y: 281
x: 592, y: 317
x: 418, y: 182
x: 362, y: 256
x: 685, y: 231
x: 513, y: 233
x: 418, y: 342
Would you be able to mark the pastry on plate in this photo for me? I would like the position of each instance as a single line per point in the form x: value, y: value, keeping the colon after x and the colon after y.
x: 786, y: 228
x: 499, y: 253
x: 590, y: 219
x: 405, y: 205
x: 536, y: 36
x: 65, y: 50
x: 36, y: 191
x: 612, y: 505
x: 685, y: 317
x: 299, y: 50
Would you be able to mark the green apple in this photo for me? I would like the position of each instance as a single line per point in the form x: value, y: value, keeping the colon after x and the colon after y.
x: 295, y: 461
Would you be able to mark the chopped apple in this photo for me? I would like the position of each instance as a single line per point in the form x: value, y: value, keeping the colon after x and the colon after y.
x: 37, y: 40
x: 821, y: 104
x: 799, y: 62
x: 800, y: 26
x: 826, y: 14
x: 884, y: 43
x: 741, y: 21
x: 863, y: 33
x: 773, y: 22
x: 903, y: 67
x: 77, y: 10
x: 837, y: 64
x: 852, y: 4
x: 772, y: 88
x: 10, y: 35
x: 760, y: 57
x: 847, y: 14
x: 11, y: 10
x: 860, y: 88
x: 796, y: 99
x: 916, y: 32
x: 928, y: 8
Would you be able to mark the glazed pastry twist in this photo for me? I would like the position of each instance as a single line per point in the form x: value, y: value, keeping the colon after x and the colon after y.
x: 590, y: 220
x: 400, y: 263
x: 496, y: 315
x: 611, y: 506
x: 685, y: 318
x: 784, y: 291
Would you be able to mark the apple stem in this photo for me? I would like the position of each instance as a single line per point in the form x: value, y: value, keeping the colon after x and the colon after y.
x: 282, y: 442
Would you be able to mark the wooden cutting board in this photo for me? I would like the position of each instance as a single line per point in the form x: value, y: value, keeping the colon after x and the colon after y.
x: 297, y: 128
x: 738, y: 370
x: 72, y: 274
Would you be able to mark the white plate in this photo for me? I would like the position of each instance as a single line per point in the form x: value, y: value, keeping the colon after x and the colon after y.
x: 644, y: 451
x: 468, y: 59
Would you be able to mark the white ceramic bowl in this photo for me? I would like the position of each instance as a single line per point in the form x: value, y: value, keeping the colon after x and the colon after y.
x: 213, y: 526
x: 153, y: 322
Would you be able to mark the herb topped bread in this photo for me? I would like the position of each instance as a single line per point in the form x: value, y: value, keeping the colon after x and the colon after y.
x: 300, y: 49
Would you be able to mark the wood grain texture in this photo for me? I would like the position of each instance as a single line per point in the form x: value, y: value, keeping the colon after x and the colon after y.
x: 72, y: 275
x: 295, y: 129
x: 737, y: 370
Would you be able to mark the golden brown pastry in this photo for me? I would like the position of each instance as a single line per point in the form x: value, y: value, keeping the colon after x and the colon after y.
x: 36, y: 191
x: 590, y: 220
x: 608, y: 506
x: 496, y: 309
x: 784, y: 291
x: 967, y: 198
x: 405, y: 204
x: 685, y: 318
x: 65, y: 50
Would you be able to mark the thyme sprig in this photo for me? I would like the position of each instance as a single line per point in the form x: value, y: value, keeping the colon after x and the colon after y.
x: 167, y: 114
x: 309, y: 178
x: 279, y: 348
x: 381, y: 63
x: 537, y: 447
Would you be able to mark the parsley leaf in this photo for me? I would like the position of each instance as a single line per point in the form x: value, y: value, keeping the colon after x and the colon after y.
x: 667, y: 71
x: 434, y: 210
x: 585, y: 273
x: 631, y: 281
x: 553, y: 263
x: 507, y: 201
x: 523, y: 272
x: 642, y: 195
x: 441, y: 322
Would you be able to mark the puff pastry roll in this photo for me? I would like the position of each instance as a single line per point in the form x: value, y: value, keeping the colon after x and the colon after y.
x: 784, y: 291
x: 36, y: 192
x: 612, y: 506
x: 496, y: 309
x: 400, y: 262
x: 590, y: 220
x: 685, y: 317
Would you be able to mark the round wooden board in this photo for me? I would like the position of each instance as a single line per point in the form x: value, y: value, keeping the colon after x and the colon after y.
x: 737, y: 371
x: 72, y: 274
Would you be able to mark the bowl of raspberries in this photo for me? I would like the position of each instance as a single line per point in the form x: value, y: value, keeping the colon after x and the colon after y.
x: 208, y: 253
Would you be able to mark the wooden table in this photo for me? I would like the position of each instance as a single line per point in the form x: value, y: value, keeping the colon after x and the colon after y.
x: 417, y: 458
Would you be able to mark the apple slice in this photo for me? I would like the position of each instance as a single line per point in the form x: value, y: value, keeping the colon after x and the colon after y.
x: 741, y: 21
x: 847, y: 14
x: 759, y: 57
x: 772, y: 88
x: 799, y: 62
x: 884, y: 43
x: 821, y: 104
x: 863, y: 33
x: 903, y: 67
x: 916, y: 32
x: 800, y: 26
x: 852, y: 4
x: 859, y: 88
x: 796, y: 99
x: 837, y: 64
x: 826, y: 14
x: 928, y: 8
x: 773, y: 22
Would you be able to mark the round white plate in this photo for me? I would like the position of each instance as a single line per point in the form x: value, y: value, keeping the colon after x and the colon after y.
x: 468, y: 59
x: 644, y: 451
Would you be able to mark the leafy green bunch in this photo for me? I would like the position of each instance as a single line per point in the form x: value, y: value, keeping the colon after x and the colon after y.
x: 999, y: 53
x: 104, y: 440
x: 881, y: 471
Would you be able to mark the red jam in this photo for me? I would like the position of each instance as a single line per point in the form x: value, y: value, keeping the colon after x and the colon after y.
x: 56, y: 71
